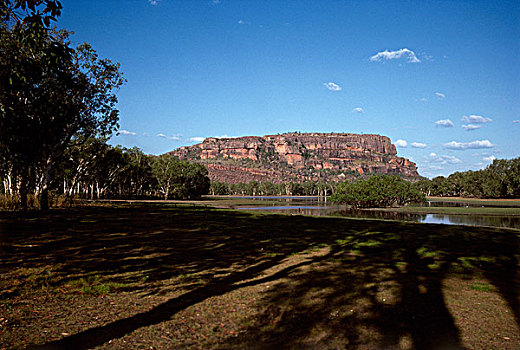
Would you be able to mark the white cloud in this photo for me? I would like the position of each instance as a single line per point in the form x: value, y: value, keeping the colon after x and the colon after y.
x: 172, y: 138
x: 516, y: 121
x: 126, y: 132
x: 435, y: 167
x: 216, y: 2
x: 440, y: 95
x: 153, y: 2
x: 476, y: 119
x: 332, y: 86
x: 469, y: 127
x: 225, y: 136
x: 469, y: 145
x: 197, y: 139
x: 241, y: 22
x: 401, y: 143
x: 423, y: 99
x: 391, y: 55
x: 489, y: 159
x: 418, y: 145
x: 443, y: 159
x: 445, y: 123
x: 358, y: 110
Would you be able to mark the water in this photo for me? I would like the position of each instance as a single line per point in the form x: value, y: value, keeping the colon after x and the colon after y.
x: 461, y: 204
x: 311, y: 206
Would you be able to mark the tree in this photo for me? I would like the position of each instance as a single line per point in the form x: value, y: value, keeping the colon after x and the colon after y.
x: 377, y: 191
x: 219, y: 188
x: 180, y: 179
x: 50, y: 95
x: 164, y: 169
x: 191, y: 182
x: 137, y: 177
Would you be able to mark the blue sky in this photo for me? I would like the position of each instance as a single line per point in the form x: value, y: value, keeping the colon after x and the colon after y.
x: 440, y: 78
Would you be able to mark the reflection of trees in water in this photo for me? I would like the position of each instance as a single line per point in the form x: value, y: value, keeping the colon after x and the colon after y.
x: 302, y: 211
x: 375, y: 214
x: 481, y: 220
x: 473, y: 220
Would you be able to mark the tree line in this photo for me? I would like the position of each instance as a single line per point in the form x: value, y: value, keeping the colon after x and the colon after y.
x: 255, y: 188
x: 53, y: 96
x: 501, y: 179
x: 376, y: 191
x: 97, y: 170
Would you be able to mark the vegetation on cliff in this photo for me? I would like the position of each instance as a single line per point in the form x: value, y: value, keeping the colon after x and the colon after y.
x: 298, y: 157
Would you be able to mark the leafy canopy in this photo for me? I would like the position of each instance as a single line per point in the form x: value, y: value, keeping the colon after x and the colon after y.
x: 377, y: 191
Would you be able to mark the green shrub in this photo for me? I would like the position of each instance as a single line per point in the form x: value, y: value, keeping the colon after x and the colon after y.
x: 378, y: 191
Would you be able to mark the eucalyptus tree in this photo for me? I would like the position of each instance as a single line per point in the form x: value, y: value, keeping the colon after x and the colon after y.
x: 164, y: 169
x: 180, y: 179
x: 51, y: 94
x: 219, y: 188
x: 191, y: 182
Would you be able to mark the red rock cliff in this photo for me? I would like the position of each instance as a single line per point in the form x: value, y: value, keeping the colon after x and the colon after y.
x: 298, y: 157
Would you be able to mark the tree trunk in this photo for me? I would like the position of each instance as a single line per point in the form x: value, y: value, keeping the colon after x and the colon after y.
x: 167, y: 190
x: 8, y: 185
x: 23, y: 192
x: 44, y: 196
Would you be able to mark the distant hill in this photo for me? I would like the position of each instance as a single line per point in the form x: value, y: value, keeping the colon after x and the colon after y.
x: 298, y: 157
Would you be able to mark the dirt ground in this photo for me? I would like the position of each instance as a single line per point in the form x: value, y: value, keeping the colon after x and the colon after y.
x: 147, y: 276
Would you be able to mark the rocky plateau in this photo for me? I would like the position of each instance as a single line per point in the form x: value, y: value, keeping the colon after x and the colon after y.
x: 298, y: 157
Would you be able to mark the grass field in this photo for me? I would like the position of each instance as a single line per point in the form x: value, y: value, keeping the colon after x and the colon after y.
x: 142, y: 275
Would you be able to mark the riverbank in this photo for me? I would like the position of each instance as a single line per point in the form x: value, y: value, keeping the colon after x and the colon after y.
x: 185, y: 276
x: 455, y: 210
x: 478, y: 201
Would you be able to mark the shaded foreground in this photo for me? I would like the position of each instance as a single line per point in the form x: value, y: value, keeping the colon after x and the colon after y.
x: 166, y: 277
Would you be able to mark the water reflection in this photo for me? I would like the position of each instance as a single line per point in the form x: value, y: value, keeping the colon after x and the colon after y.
x: 462, y: 204
x: 311, y: 206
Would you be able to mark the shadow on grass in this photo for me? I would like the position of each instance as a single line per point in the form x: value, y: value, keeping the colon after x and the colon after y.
x: 380, y: 282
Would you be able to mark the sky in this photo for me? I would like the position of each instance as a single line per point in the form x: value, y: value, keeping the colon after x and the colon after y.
x: 440, y: 78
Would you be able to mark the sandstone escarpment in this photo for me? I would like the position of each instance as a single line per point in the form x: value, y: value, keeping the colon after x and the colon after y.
x: 298, y: 157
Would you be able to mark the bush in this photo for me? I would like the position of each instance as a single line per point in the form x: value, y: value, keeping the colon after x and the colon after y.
x: 8, y: 202
x: 377, y: 192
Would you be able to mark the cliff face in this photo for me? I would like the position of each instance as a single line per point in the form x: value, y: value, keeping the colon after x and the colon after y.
x: 298, y: 157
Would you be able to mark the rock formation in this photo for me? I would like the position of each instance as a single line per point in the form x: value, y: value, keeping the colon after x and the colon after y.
x: 298, y: 157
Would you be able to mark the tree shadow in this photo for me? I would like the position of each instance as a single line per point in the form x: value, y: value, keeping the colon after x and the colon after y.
x: 380, y: 282
x: 383, y: 289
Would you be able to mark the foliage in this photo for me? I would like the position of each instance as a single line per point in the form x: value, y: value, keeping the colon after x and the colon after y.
x: 51, y: 95
x: 377, y: 191
x: 180, y: 179
x: 501, y: 179
x: 191, y: 180
x: 219, y: 188
x: 30, y: 12
x: 98, y: 170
